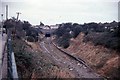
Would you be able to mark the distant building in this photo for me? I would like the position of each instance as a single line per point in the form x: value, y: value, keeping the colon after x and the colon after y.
x: 54, y: 26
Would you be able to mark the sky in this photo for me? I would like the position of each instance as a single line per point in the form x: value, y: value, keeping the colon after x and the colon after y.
x: 61, y: 11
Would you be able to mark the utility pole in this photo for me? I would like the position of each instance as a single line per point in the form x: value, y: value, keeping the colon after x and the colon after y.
x: 6, y: 12
x: 2, y: 24
x: 18, y: 13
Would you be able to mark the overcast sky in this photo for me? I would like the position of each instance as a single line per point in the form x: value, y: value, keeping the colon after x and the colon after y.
x: 59, y: 11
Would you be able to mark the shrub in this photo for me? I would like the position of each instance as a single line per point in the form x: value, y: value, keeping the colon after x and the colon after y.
x: 23, y: 57
x: 30, y: 39
x: 36, y: 39
x: 106, y: 39
x: 63, y: 42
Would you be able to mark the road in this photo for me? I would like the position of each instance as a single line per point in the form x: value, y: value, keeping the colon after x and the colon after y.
x: 63, y: 60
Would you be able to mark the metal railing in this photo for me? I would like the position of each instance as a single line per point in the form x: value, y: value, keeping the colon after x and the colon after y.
x: 12, y: 69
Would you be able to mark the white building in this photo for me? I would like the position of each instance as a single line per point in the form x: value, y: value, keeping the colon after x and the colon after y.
x: 54, y: 26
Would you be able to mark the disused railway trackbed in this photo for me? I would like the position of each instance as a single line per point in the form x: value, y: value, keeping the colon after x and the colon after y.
x: 73, y: 57
x: 69, y: 61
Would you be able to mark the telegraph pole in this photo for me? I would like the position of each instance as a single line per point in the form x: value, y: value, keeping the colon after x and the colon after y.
x: 2, y: 24
x: 6, y: 12
x: 18, y: 13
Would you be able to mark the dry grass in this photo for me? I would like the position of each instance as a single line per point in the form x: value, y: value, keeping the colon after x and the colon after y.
x: 103, y: 60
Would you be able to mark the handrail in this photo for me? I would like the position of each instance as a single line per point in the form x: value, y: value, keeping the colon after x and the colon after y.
x: 15, y: 74
x: 12, y: 69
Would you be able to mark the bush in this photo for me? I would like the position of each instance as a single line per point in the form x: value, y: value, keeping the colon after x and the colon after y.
x: 65, y: 32
x: 106, y: 39
x: 63, y: 42
x: 23, y: 57
x: 98, y: 33
x: 30, y: 39
x: 36, y: 39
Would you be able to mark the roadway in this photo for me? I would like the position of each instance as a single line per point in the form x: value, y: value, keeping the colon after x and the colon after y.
x: 63, y: 60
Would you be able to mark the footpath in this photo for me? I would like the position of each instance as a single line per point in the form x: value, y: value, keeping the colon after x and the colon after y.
x: 3, y: 40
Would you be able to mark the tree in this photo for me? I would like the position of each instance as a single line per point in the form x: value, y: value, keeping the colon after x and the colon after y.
x: 117, y: 31
x: 26, y: 25
x: 9, y: 24
x: 41, y: 24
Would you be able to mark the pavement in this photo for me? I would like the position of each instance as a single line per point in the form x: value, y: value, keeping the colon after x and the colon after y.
x: 2, y: 44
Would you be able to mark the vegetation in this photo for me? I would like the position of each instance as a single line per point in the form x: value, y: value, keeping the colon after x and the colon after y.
x: 65, y: 32
x: 23, y: 58
x: 41, y: 24
x: 106, y: 34
x: 34, y: 64
x: 21, y: 29
x: 106, y: 39
x: 109, y: 39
